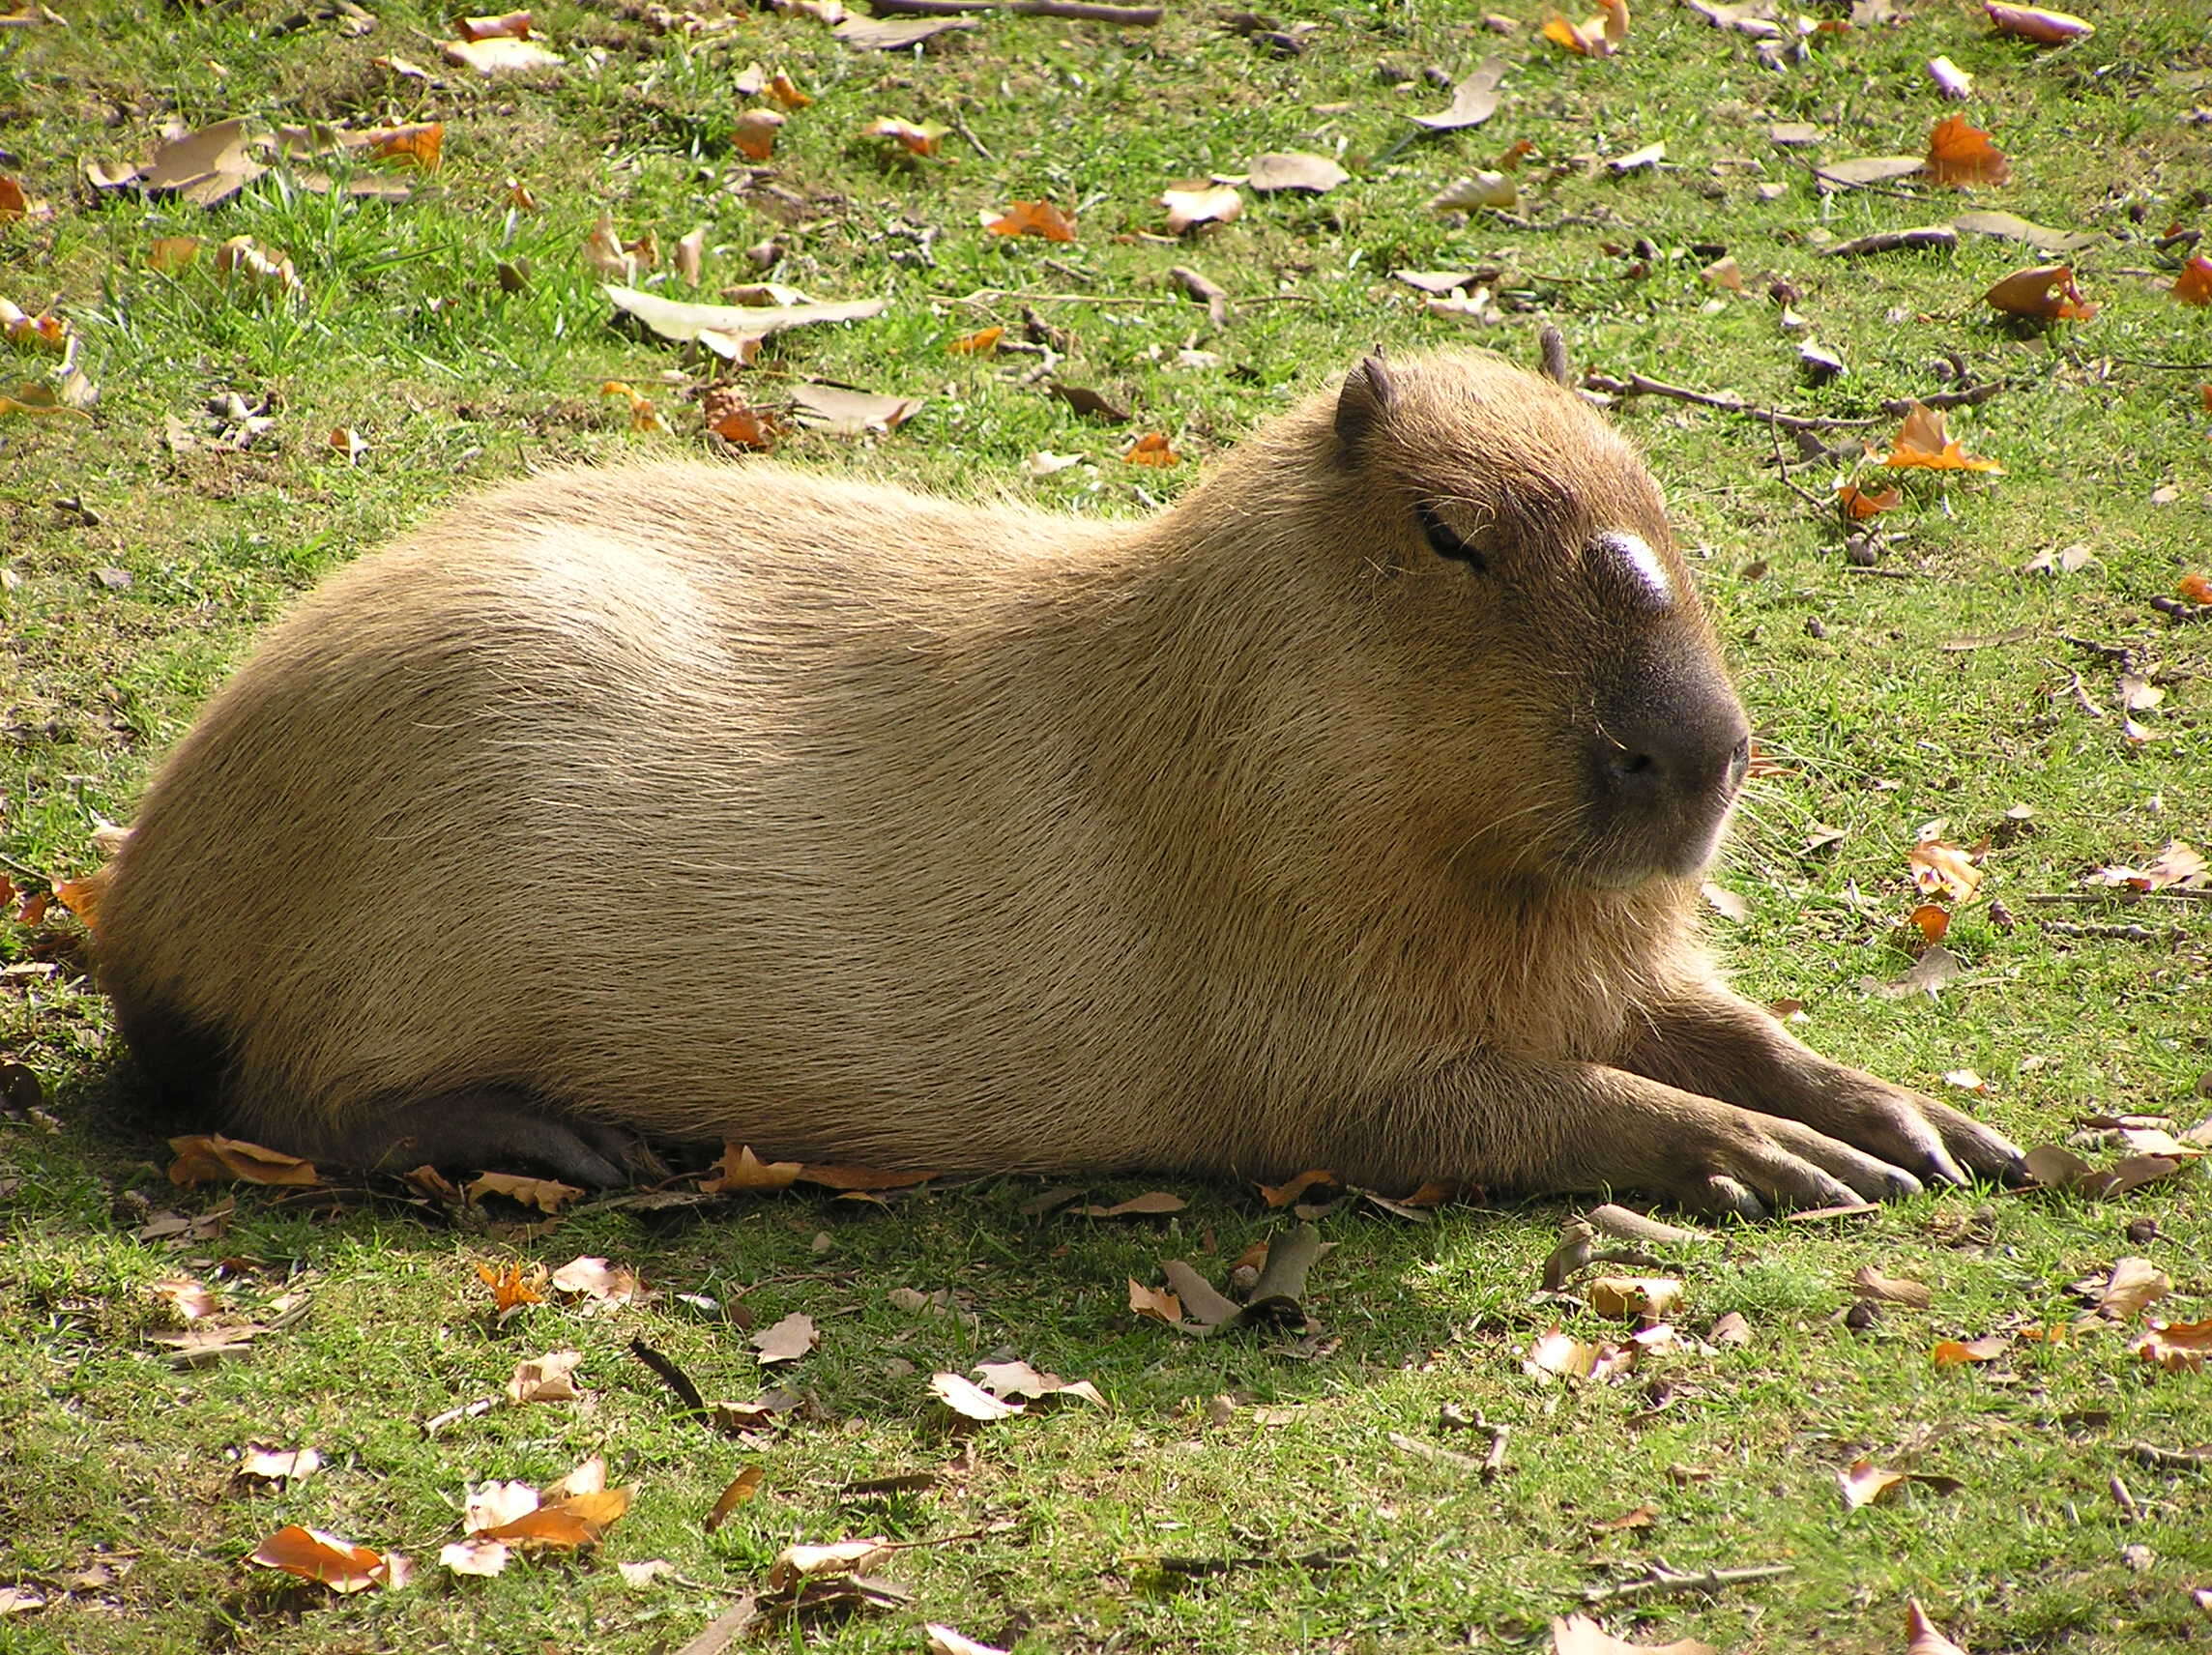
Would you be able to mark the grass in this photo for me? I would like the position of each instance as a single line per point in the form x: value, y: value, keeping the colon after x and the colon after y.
x: 405, y: 335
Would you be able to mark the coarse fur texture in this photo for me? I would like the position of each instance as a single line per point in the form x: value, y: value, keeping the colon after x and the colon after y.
x: 725, y: 801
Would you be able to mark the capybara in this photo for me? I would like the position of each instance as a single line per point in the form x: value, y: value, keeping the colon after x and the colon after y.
x: 1348, y: 814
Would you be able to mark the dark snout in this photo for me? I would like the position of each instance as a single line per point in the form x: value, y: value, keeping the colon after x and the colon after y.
x: 1663, y: 767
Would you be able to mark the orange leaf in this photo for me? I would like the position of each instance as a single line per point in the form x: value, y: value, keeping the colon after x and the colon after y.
x: 2046, y: 291
x: 1862, y: 505
x: 508, y: 26
x: 1953, y: 1352
x: 753, y: 134
x: 415, y: 146
x: 1938, y: 868
x: 1152, y: 450
x: 14, y: 203
x: 172, y: 253
x: 1034, y: 219
x: 1932, y: 920
x: 546, y: 1195
x: 740, y: 1169
x: 2197, y: 588
x: 2193, y: 285
x: 921, y: 140
x: 1923, y: 440
x: 851, y: 1179
x: 2204, y: 395
x: 33, y: 910
x: 81, y: 898
x: 214, y: 1158
x: 507, y: 1288
x: 979, y: 343
x: 1959, y: 152
x: 2034, y: 23
x: 643, y: 416
x: 2176, y: 1345
x: 1282, y: 1195
x: 785, y: 91
x: 577, y: 1520
x: 738, y: 422
x: 339, y: 1564
x: 1559, y: 31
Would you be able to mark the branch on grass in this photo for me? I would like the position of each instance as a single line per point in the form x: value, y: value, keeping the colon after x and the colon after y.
x: 1664, y: 1581
x: 671, y: 1376
x: 1925, y: 236
x: 1727, y: 402
x: 1081, y: 11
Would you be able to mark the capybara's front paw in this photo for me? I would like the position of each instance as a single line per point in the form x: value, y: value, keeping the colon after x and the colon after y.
x: 1733, y: 1160
x: 1928, y: 1138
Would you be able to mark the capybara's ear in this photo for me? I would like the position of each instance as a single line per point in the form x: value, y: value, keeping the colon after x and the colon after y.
x: 1369, y: 394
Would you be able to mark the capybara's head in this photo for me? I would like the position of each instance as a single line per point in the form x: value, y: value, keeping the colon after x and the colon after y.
x: 1548, y: 677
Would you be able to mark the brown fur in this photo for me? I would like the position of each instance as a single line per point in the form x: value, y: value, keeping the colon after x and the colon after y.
x: 718, y: 801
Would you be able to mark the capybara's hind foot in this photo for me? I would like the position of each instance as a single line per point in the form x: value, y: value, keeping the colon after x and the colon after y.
x: 485, y: 1127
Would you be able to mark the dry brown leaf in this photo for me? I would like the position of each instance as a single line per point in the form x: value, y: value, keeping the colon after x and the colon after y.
x: 1031, y: 219
x: 593, y: 1278
x: 1959, y: 152
x: 2035, y: 23
x: 740, y: 1169
x: 1958, y: 1352
x: 727, y: 413
x: 2177, y: 1346
x: 2046, y: 292
x: 2136, y: 1284
x: 314, y: 1554
x: 1731, y: 1329
x: 16, y: 206
x: 1579, y: 1635
x: 1862, y: 503
x: 1294, y: 169
x: 1865, y: 1483
x: 843, y: 413
x: 1870, y: 1283
x: 279, y: 1464
x: 550, y: 1378
x: 213, y: 1158
x: 501, y: 54
x: 888, y: 34
x: 1633, y: 1295
x: 785, y: 91
x: 1157, y: 1304
x: 1923, y: 440
x: 2193, y: 285
x: 921, y: 139
x: 1944, y: 870
x: 1483, y: 190
x: 1195, y: 204
x: 754, y: 133
x: 510, y: 1289
x: 1151, y: 1204
x: 797, y: 1563
x: 546, y: 1195
x: 505, y: 25
x: 965, y: 1397
x: 188, y: 1300
x: 944, y: 1641
x: 1474, y: 100
x: 743, y: 1487
x: 1926, y: 1640
x: 1282, y: 1195
x: 787, y: 1339
x: 266, y: 269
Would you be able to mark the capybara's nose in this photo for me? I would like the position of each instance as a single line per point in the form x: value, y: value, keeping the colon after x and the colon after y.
x: 1657, y: 761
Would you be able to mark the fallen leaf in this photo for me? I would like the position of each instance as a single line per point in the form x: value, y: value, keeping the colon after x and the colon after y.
x: 740, y: 1169
x: 721, y: 327
x: 279, y: 1464
x: 1031, y: 219
x: 501, y: 54
x: 921, y: 140
x: 2193, y: 285
x: 743, y: 1487
x: 691, y: 257
x: 507, y: 25
x: 797, y: 1563
x: 1926, y: 1640
x: 1151, y: 1204
x: 1294, y: 170
x: 1474, y: 99
x: 2009, y: 227
x: 206, y: 168
x: 944, y: 1641
x: 894, y: 34
x: 1731, y: 1329
x: 2034, y: 23
x: 1154, y: 1302
x: 511, y: 1290
x: 1197, y: 204
x: 418, y: 145
x: 727, y: 413
x: 1959, y: 152
x: 1954, y: 82
x: 846, y: 412
x: 314, y: 1554
x: 1283, y: 1195
x: 639, y: 1576
x: 1579, y: 1635
x: 2136, y: 1284
x: 1870, y: 1283
x: 965, y: 1397
x: 1923, y: 440
x: 754, y: 133
x: 172, y: 253
x: 1150, y: 450
x: 1482, y: 189
x: 1087, y: 401
x: 2046, y: 292
x: 16, y: 206
x: 785, y: 91
x: 213, y: 1158
x: 2177, y: 1346
x: 1635, y: 161
x: 546, y: 1195
x: 1724, y: 273
x: 267, y: 269
x: 1862, y: 503
x: 1957, y: 1352
x: 187, y: 1300
x: 1867, y: 169
x: 1865, y: 1483
x: 1941, y: 869
x: 550, y: 1378
x: 1633, y: 1295
x: 787, y: 1341
x: 855, y: 1178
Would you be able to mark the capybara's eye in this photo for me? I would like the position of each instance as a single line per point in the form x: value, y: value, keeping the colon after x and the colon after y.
x: 1446, y: 541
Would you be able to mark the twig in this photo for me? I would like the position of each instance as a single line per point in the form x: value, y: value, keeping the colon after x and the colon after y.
x: 725, y: 1628
x: 2130, y: 1512
x: 1663, y: 1581
x: 2172, y: 1459
x: 454, y: 1415
x: 1892, y: 240
x: 1885, y: 573
x: 2113, y: 933
x: 1209, y: 293
x: 1493, y: 1462
x: 2119, y: 895
x: 1451, y: 1456
x: 1551, y: 347
x: 1643, y: 385
x: 1782, y: 470
x: 973, y: 142
x: 671, y: 1376
x: 1081, y: 11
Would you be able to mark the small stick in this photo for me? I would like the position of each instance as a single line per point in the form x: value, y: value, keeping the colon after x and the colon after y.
x: 1081, y: 11
x: 2172, y: 1459
x: 973, y: 142
x: 1892, y: 240
x: 1553, y: 345
x: 1643, y: 385
x: 2130, y: 1512
x: 1493, y: 1462
x: 1782, y: 470
x: 2114, y: 933
x: 671, y: 1376
x: 1664, y: 1581
x: 1209, y: 293
x: 725, y: 1628
x: 1429, y: 1451
x: 454, y: 1415
x: 1884, y: 573
x: 2119, y: 895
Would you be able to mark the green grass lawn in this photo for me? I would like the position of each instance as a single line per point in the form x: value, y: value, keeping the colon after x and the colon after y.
x: 1245, y: 1492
